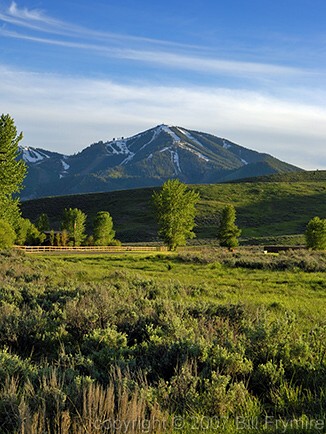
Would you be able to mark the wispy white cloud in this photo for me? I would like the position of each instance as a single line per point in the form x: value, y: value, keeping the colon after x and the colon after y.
x: 38, y: 20
x: 144, y: 50
x: 95, y: 110
x: 24, y: 13
x: 212, y: 65
x: 173, y: 60
x: 32, y: 19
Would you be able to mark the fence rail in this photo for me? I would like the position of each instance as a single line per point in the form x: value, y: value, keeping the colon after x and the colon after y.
x: 91, y: 249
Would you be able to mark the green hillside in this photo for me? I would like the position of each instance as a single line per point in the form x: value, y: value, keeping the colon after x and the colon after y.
x: 298, y: 176
x: 264, y: 209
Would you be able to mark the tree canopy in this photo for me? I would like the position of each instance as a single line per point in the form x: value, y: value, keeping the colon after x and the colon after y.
x: 316, y: 234
x: 42, y: 223
x: 103, y: 229
x: 12, y: 171
x: 228, y: 231
x: 74, y: 222
x: 176, y: 209
x: 27, y: 233
x: 7, y: 234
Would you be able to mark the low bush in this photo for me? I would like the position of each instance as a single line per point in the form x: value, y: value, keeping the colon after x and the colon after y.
x: 255, y: 259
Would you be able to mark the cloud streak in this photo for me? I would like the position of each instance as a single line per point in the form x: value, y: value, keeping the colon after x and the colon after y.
x: 38, y: 20
x: 171, y: 55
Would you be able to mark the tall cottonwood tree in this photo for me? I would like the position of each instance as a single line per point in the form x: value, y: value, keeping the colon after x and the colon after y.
x: 316, y: 234
x: 103, y: 229
x: 228, y: 231
x: 74, y: 223
x: 12, y: 172
x: 176, y: 209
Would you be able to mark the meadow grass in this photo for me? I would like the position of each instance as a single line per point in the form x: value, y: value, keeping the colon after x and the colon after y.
x: 201, y: 340
x: 294, y: 290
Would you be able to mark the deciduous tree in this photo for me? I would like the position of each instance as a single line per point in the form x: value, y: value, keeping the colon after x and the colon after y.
x: 228, y: 231
x: 103, y: 229
x: 51, y: 237
x: 7, y: 235
x: 74, y: 222
x: 42, y: 223
x: 316, y: 234
x: 28, y: 234
x: 64, y: 237
x: 176, y: 209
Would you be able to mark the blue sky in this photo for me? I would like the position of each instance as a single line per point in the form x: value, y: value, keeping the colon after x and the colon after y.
x: 252, y: 71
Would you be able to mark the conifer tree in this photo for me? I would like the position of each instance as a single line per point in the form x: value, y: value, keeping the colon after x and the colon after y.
x: 12, y: 172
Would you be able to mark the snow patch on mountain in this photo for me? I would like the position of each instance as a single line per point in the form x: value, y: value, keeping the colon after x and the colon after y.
x: 155, y: 134
x: 168, y: 130
x: 111, y: 149
x: 126, y: 160
x: 244, y: 161
x: 165, y: 149
x: 175, y: 160
x: 120, y: 147
x: 189, y: 149
x: 30, y: 155
x: 226, y: 145
x: 182, y: 144
x: 65, y: 166
x: 190, y: 137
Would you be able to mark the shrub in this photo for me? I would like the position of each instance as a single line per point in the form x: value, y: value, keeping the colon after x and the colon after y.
x: 7, y: 235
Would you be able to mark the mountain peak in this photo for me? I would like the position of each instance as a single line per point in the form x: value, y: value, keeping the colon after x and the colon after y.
x: 146, y: 159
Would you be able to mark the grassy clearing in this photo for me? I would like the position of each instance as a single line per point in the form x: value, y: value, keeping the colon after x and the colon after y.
x: 293, y: 289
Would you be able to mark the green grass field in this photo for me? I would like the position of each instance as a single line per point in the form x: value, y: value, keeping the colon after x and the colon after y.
x: 293, y: 289
x: 264, y: 209
x: 203, y: 340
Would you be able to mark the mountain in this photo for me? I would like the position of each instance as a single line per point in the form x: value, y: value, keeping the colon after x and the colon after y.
x: 144, y: 160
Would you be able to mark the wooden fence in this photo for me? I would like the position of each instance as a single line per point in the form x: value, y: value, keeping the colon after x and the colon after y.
x: 91, y: 249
